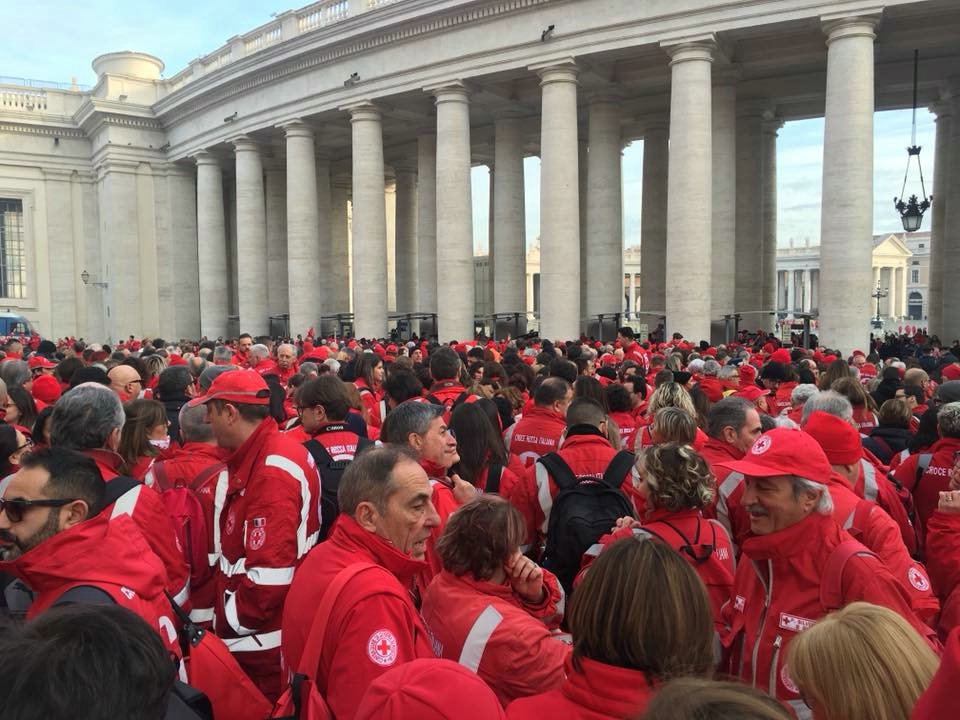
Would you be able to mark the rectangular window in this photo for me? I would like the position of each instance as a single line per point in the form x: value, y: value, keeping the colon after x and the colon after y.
x: 13, y: 271
x: 915, y: 276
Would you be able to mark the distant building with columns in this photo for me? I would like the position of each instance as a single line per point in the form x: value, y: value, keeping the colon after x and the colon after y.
x: 252, y: 185
x: 900, y: 264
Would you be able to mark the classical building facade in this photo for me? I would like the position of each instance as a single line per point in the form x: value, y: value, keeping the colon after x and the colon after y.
x: 901, y: 270
x: 222, y: 196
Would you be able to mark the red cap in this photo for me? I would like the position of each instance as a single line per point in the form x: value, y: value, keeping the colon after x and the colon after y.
x: 608, y: 359
x: 748, y: 374
x: 46, y: 389
x: 838, y: 438
x: 39, y: 361
x: 428, y: 689
x: 750, y: 393
x: 711, y: 351
x: 781, y: 356
x: 176, y: 360
x: 858, y: 352
x: 240, y: 386
x: 782, y: 451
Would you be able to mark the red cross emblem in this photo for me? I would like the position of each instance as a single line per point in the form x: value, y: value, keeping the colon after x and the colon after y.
x: 382, y: 648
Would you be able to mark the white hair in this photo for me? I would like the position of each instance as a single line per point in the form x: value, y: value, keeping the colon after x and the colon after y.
x: 830, y: 402
x: 824, y: 505
x: 260, y: 351
x: 695, y: 366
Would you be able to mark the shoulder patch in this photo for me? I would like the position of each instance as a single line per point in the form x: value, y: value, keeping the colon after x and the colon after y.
x: 382, y: 648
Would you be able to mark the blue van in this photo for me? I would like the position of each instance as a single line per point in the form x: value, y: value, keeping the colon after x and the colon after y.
x: 13, y: 324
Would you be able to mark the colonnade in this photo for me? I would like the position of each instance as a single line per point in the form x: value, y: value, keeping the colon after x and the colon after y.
x: 708, y: 221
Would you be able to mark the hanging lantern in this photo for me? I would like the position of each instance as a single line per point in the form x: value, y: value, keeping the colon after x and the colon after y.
x: 911, y: 211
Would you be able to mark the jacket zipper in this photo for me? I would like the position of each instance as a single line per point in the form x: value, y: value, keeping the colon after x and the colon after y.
x: 773, y: 666
x: 763, y: 617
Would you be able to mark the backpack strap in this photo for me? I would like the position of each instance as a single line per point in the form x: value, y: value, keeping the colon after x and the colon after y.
x: 318, y: 451
x: 558, y: 469
x: 313, y: 647
x: 200, y: 480
x: 433, y: 399
x: 85, y: 595
x: 620, y: 465
x: 161, y: 480
x: 461, y: 399
x: 831, y: 582
x: 494, y: 475
x: 362, y: 444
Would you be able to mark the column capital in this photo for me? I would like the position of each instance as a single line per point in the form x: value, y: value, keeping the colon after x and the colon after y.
x: 771, y: 126
x: 701, y: 47
x: 942, y: 108
x: 562, y: 70
x: 453, y: 91
x: 245, y: 143
x: 205, y: 157
x: 840, y: 26
x: 364, y: 111
x: 297, y: 128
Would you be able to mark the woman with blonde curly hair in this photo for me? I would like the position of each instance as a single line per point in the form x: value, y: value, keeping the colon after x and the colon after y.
x: 673, y: 484
x: 863, y: 662
x: 670, y: 394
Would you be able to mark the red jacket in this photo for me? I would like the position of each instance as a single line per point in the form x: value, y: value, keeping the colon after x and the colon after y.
x: 939, y: 700
x: 633, y: 351
x: 780, y: 401
x: 643, y: 439
x: 943, y: 559
x: 776, y: 595
x: 108, y: 554
x: 448, y: 391
x: 508, y: 479
x: 726, y: 503
x: 270, y: 519
x: 536, y: 433
x: 371, y: 402
x: 181, y: 469
x: 587, y: 456
x: 874, y: 485
x: 445, y: 503
x: 150, y: 514
x: 492, y: 631
x: 596, y: 692
x: 711, y: 387
x: 707, y: 540
x: 627, y: 422
x: 369, y: 613
x: 864, y: 419
x: 926, y: 492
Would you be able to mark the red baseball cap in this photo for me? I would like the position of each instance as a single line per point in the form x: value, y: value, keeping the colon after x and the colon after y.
x: 240, y: 386
x: 428, y: 689
x: 838, y: 438
x: 782, y: 451
x: 39, y: 361
x: 781, y: 356
x: 750, y: 393
x: 46, y: 389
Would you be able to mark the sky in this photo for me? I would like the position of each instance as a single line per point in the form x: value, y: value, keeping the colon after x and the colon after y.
x: 69, y: 35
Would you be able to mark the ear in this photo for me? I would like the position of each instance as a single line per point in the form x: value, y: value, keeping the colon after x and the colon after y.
x: 366, y: 516
x: 729, y: 435
x: 322, y: 412
x: 809, y: 500
x: 113, y: 440
x: 74, y: 514
x: 415, y: 441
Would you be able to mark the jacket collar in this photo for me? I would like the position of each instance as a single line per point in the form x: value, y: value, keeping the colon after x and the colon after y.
x: 721, y: 447
x: 655, y: 515
x: 608, y: 689
x: 348, y: 533
x: 584, y: 430
x: 193, y: 449
x: 433, y: 470
x: 109, y: 463
x: 585, y: 441
x: 242, y: 460
x: 543, y: 412
x: 790, y: 542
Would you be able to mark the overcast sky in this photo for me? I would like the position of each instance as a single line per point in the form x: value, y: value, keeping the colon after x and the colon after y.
x: 56, y: 40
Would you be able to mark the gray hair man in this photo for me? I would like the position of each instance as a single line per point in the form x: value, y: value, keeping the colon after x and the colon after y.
x: 794, y: 545
x: 89, y: 419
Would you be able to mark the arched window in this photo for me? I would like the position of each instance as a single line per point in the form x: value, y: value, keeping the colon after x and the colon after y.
x: 915, y: 306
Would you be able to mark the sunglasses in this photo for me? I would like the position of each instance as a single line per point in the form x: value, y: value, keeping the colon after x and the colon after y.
x: 16, y: 507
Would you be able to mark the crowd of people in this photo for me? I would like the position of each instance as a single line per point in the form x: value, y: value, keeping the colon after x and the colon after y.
x: 321, y: 527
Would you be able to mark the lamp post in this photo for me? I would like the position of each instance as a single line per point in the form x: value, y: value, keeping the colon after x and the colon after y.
x: 878, y: 293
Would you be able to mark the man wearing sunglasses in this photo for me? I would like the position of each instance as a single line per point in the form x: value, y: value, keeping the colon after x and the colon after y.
x: 57, y: 543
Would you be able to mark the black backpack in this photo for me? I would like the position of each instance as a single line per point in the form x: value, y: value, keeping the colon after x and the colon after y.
x: 330, y: 473
x: 584, y: 510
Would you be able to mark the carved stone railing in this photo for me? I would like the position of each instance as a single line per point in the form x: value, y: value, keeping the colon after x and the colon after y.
x: 26, y: 99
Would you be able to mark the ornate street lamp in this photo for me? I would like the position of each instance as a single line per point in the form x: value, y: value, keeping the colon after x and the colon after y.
x: 878, y: 294
x: 911, y: 211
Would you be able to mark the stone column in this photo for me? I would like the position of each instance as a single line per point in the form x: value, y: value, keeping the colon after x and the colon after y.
x: 369, y: 224
x: 749, y: 212
x: 951, y: 236
x: 455, y: 277
x: 846, y: 231
x: 406, y: 237
x: 901, y: 298
x: 791, y: 281
x: 338, y: 300
x: 689, y: 191
x: 604, y: 210
x: 632, y: 304
x: 559, y: 202
x: 277, y: 288
x: 582, y: 167
x: 304, y: 261
x: 251, y: 239
x: 724, y: 192
x: 653, y: 216
x: 324, y: 242
x: 390, y: 212
x: 892, y: 302
x: 769, y: 232
x: 212, y: 247
x: 805, y: 302
x: 509, y: 247
x: 427, y: 228
x: 941, y: 175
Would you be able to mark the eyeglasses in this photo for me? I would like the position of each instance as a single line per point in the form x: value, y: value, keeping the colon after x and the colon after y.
x: 16, y: 507
x: 27, y: 443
